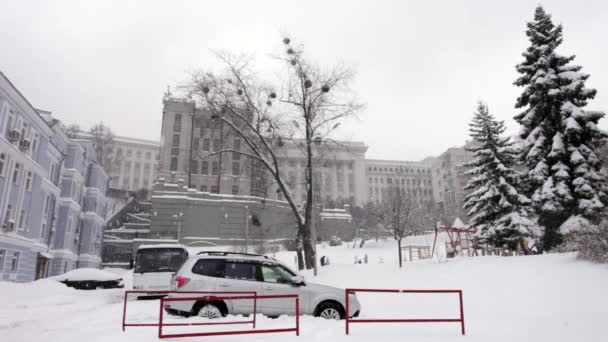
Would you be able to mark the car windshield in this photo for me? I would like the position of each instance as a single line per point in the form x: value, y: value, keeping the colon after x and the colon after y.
x: 159, y: 260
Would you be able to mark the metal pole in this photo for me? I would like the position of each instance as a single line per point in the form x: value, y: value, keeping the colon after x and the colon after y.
x: 246, y: 229
x: 124, y: 311
x: 346, y: 316
x: 314, y: 236
x: 461, y: 312
x: 297, y: 315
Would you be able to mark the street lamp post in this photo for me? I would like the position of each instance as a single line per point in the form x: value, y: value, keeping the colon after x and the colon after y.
x: 179, y: 223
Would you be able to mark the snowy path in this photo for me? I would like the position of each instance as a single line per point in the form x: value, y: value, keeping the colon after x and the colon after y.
x: 542, y: 298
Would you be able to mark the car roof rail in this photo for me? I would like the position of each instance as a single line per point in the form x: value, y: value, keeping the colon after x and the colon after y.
x: 233, y: 253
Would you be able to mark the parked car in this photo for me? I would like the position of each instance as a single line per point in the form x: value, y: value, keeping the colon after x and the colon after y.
x: 155, y: 266
x: 335, y: 241
x: 225, y: 271
x: 90, y: 279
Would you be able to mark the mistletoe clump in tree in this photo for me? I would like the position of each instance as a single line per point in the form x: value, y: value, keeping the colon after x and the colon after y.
x: 565, y: 176
x: 497, y: 210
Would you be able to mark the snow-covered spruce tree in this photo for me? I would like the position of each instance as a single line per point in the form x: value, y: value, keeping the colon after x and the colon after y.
x: 496, y: 209
x: 565, y: 177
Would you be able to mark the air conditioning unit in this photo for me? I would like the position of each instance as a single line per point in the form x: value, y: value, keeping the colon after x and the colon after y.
x: 8, y: 226
x: 24, y: 145
x: 13, y: 135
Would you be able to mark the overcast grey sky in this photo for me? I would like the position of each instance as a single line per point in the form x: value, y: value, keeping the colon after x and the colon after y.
x: 422, y: 65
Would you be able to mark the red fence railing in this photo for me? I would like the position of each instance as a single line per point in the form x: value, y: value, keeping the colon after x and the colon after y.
x: 161, y: 324
x: 128, y: 292
x: 418, y: 320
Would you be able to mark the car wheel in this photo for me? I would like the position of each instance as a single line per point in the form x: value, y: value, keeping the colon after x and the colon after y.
x: 330, y: 310
x: 210, y: 310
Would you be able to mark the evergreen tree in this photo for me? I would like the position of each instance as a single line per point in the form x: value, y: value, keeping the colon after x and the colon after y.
x: 496, y: 209
x: 565, y: 176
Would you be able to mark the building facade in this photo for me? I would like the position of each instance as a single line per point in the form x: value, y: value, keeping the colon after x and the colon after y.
x: 189, y: 139
x: 37, y: 230
x: 449, y: 180
x: 134, y: 163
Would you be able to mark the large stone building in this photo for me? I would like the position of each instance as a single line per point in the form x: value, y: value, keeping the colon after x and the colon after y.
x: 134, y: 163
x: 52, y: 194
x: 449, y: 180
x: 189, y: 138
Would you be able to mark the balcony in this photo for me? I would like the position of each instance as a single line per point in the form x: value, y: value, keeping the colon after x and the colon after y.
x: 24, y: 145
x: 13, y: 135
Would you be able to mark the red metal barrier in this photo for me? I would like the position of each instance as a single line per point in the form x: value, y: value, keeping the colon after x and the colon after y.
x: 124, y: 308
x: 419, y: 320
x: 237, y: 332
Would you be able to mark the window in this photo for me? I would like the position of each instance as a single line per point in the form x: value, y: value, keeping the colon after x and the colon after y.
x: 2, y: 164
x: 206, y: 144
x: 175, y: 142
x: 240, y: 270
x: 204, y: 188
x: 148, y: 155
x: 47, y: 202
x: 2, y: 256
x: 28, y: 181
x: 195, y: 143
x: 173, y: 164
x: 216, y: 145
x: 52, y: 174
x: 214, y: 189
x: 9, y: 124
x: 210, y: 267
x: 350, y: 165
x: 204, y: 167
x: 236, y: 168
x: 236, y: 146
x: 16, y: 173
x: 292, y: 163
x: 194, y: 167
x: 197, y: 122
x: 9, y: 213
x: 276, y: 274
x: 235, y: 189
x: 175, y: 151
x: 138, y: 154
x: 177, y: 123
x: 215, y: 169
x: 15, y: 262
x: 129, y: 153
x: 351, y: 183
x: 22, y: 219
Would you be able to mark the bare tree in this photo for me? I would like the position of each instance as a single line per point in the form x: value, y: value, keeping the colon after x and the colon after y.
x: 402, y: 214
x: 305, y: 106
x: 103, y: 142
x: 73, y: 130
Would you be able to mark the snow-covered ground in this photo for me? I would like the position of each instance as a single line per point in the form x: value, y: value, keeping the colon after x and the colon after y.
x: 526, y: 298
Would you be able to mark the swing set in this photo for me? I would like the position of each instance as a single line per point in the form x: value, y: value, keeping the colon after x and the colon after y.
x: 460, y: 241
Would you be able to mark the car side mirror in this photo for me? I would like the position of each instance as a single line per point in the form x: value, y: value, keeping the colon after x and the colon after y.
x: 297, y: 280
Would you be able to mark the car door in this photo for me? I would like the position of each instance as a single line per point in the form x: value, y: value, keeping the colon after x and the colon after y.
x: 276, y: 280
x: 239, y: 276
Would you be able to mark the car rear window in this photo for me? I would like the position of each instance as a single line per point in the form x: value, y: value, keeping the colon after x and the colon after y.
x: 210, y: 267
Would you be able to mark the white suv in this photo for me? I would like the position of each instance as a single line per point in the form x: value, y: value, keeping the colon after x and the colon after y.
x: 240, y: 272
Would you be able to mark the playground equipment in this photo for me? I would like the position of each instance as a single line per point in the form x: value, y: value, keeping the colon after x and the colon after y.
x: 460, y: 240
x: 416, y: 252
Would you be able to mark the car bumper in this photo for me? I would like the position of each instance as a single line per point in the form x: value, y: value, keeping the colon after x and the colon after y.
x: 354, y: 308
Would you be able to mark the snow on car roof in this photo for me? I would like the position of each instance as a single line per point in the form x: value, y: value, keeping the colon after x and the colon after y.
x: 162, y: 245
x: 82, y: 274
